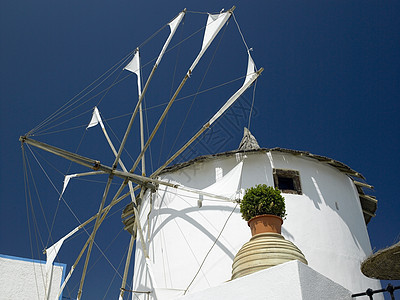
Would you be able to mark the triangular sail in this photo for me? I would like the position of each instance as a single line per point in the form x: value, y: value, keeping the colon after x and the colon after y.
x: 251, y: 76
x: 96, y: 119
x: 173, y: 25
x: 66, y: 181
x: 51, y: 254
x: 214, y: 25
x: 227, y: 186
x: 251, y: 69
x: 67, y: 178
x: 134, y: 67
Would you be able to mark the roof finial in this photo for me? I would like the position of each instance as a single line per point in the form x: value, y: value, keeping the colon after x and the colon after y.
x: 248, y: 142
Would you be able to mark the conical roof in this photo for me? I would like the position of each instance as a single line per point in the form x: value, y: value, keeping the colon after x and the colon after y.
x: 248, y: 141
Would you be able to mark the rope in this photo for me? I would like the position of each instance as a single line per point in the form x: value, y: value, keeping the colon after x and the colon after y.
x: 198, y: 271
x: 240, y: 32
x: 69, y: 167
x: 116, y: 137
x: 27, y: 195
x: 183, y: 235
x: 36, y: 131
x: 201, y: 83
x: 66, y: 105
x: 197, y: 12
x: 36, y: 230
x: 72, y: 212
x: 148, y: 108
x: 61, y: 109
x: 82, y: 103
x: 26, y: 162
x: 112, y: 280
x: 203, y: 12
x: 35, y: 223
x: 40, y: 204
x: 53, y: 117
x: 252, y: 104
x: 171, y: 89
x: 97, y: 260
x: 48, y: 178
x: 255, y: 84
x: 43, y: 132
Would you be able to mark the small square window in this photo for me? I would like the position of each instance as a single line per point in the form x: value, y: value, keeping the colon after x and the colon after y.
x: 288, y: 181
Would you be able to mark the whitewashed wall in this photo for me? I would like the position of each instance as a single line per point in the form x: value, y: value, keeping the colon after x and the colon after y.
x: 23, y: 279
x: 325, y: 222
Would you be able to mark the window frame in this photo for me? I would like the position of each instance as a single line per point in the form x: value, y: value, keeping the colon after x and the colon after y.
x: 291, y: 174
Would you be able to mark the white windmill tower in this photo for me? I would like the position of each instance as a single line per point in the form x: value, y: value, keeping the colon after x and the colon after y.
x: 192, y: 238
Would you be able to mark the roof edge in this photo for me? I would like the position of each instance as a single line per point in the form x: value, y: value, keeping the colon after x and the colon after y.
x: 368, y: 203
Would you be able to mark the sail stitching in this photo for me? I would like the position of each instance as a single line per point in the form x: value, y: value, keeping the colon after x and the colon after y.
x: 240, y: 32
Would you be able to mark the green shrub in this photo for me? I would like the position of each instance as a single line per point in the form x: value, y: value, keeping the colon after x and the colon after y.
x: 260, y: 200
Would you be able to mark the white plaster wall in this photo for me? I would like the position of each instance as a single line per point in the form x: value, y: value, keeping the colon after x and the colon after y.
x: 24, y: 279
x: 291, y: 280
x: 325, y: 222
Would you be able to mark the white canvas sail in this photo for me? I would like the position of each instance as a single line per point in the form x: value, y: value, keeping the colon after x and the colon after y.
x: 214, y: 25
x: 66, y: 181
x: 251, y: 69
x: 251, y: 76
x: 173, y: 25
x: 96, y: 119
x: 51, y: 254
x: 175, y: 220
x: 134, y: 67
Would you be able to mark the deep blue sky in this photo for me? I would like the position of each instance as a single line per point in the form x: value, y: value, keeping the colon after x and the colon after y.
x: 330, y: 86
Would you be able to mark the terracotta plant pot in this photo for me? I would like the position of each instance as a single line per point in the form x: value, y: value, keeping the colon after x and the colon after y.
x: 265, y: 223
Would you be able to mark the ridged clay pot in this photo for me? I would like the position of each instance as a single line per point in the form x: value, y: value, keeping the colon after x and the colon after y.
x: 264, y: 250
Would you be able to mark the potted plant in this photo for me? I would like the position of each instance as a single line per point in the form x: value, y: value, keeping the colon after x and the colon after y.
x: 263, y: 207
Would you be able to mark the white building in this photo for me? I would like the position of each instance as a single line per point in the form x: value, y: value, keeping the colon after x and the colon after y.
x: 24, y: 278
x: 192, y: 239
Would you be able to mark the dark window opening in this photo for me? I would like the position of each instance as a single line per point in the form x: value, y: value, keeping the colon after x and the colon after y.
x: 288, y: 181
x: 285, y: 183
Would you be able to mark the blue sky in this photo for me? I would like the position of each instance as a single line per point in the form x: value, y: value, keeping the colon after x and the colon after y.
x: 330, y: 86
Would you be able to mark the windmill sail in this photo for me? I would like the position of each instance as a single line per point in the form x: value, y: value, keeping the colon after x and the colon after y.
x: 134, y: 67
x: 173, y: 25
x: 214, y: 25
x: 251, y: 76
x: 199, y: 212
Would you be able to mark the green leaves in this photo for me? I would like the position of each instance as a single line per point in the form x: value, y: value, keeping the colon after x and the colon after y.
x: 260, y: 200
